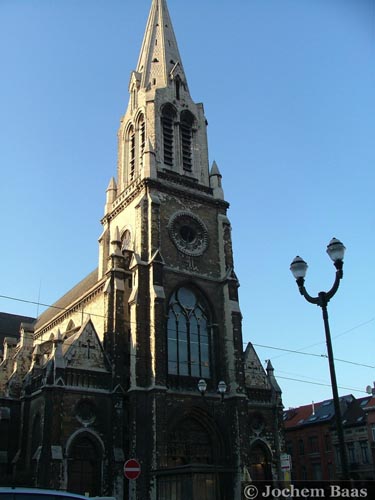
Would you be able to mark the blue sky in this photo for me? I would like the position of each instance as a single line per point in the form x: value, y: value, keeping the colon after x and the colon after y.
x: 288, y: 89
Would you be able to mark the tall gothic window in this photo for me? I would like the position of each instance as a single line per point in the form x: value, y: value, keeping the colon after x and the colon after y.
x: 131, y: 153
x: 168, y: 118
x: 186, y: 127
x: 188, y: 335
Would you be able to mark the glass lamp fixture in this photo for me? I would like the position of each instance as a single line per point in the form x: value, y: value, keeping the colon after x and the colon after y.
x: 202, y: 386
x: 336, y: 250
x: 222, y: 388
x: 298, y: 268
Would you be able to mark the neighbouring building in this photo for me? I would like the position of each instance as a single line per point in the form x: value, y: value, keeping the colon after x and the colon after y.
x: 369, y: 408
x: 111, y: 371
x: 311, y: 440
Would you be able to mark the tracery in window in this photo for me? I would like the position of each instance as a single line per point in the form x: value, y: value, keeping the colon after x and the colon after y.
x: 188, y: 335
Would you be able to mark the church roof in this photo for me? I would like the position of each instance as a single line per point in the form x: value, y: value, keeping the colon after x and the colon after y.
x: 66, y: 300
x: 159, y: 56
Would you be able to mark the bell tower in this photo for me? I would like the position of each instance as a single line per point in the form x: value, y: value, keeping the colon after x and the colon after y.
x: 163, y: 129
x: 167, y: 212
x: 172, y: 291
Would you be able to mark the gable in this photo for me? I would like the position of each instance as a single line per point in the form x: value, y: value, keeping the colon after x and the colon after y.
x: 84, y: 351
x: 255, y: 375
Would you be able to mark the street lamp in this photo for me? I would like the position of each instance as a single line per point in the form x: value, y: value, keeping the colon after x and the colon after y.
x: 202, y: 386
x: 335, y: 250
x: 221, y: 388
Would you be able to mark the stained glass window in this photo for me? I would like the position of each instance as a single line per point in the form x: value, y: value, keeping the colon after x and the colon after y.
x: 188, y: 335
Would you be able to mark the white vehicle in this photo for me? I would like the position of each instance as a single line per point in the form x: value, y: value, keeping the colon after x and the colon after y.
x: 40, y: 494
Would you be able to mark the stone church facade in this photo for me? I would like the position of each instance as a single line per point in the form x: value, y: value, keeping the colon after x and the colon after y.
x: 111, y: 370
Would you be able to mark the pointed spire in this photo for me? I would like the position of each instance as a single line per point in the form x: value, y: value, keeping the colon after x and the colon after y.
x: 159, y: 59
x: 270, y: 367
x: 215, y: 170
x: 112, y: 185
x: 215, y: 181
x: 111, y: 194
x: 271, y: 377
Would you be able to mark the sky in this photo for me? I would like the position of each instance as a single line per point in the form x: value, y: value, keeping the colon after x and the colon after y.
x: 288, y: 88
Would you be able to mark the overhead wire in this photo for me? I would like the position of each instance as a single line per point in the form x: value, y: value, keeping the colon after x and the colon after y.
x: 288, y: 351
x: 334, y: 337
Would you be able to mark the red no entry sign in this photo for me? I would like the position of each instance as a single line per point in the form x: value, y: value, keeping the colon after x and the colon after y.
x: 132, y: 469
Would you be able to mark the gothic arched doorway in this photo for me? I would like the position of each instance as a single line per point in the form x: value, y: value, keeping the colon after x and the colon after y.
x: 260, y: 462
x: 84, y: 466
x: 192, y: 462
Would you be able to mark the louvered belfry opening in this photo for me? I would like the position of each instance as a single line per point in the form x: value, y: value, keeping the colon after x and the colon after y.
x: 168, y: 118
x: 131, y: 138
x: 142, y: 138
x: 186, y: 127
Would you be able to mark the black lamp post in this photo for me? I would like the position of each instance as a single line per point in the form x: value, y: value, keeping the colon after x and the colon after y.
x: 335, y: 250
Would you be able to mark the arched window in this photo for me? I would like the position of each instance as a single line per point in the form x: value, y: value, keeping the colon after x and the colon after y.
x: 188, y: 335
x: 186, y: 128
x: 168, y: 118
x: 131, y: 154
x: 141, y: 138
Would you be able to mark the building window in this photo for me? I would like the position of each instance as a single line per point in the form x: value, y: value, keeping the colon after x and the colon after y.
x: 186, y: 127
x: 373, y: 431
x: 301, y: 447
x: 337, y: 455
x: 188, y: 337
x: 330, y: 471
x: 351, y: 453
x: 314, y: 446
x: 364, y: 452
x: 131, y: 150
x: 168, y: 119
x: 317, y: 471
x: 327, y: 442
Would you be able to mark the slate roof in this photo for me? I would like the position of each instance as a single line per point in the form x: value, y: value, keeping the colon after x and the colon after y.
x: 318, y: 413
x: 67, y: 299
x: 367, y: 403
x: 10, y: 325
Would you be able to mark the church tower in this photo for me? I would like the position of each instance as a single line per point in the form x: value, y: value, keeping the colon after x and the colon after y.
x: 166, y: 226
x: 144, y: 357
x: 166, y: 217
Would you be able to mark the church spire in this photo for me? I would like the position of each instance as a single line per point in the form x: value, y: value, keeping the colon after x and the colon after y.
x: 163, y: 130
x: 159, y: 60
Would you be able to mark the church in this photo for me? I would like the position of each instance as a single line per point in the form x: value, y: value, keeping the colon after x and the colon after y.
x: 144, y: 358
